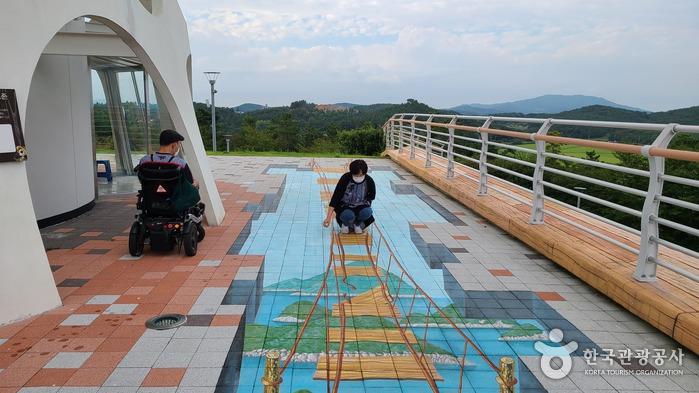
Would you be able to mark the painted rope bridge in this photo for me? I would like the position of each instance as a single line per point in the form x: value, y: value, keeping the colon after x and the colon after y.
x: 393, y: 291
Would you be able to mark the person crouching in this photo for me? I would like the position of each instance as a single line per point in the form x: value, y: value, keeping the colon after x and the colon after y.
x: 351, y: 200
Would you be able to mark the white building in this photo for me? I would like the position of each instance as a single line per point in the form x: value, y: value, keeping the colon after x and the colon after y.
x: 49, y: 50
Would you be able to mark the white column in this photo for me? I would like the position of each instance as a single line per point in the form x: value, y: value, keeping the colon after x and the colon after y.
x: 26, y: 283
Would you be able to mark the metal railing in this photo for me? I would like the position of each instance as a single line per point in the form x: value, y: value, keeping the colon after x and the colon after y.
x: 429, y: 134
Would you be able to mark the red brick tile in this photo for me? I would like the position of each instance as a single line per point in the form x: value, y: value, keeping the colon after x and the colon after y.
x: 117, y: 344
x: 176, y: 309
x: 461, y: 237
x: 126, y: 331
x: 164, y: 377
x: 419, y: 225
x: 15, y: 377
x: 9, y: 390
x: 51, y: 377
x: 226, y: 320
x: 18, y: 345
x: 89, y: 377
x: 149, y: 309
x: 6, y: 359
x: 91, y: 309
x: 34, y: 331
x: 500, y: 272
x: 551, y: 296
x: 47, y: 319
x: 33, y: 360
x: 138, y: 291
x: 65, y: 332
x: 91, y: 234
x: 98, y: 331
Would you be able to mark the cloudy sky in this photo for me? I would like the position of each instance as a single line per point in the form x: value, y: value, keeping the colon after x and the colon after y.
x: 643, y: 53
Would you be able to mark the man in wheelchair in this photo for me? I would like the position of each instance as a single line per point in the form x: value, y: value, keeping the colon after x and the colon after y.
x: 170, y: 211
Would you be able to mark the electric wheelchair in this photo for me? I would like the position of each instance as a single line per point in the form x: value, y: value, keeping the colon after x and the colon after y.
x: 163, y: 219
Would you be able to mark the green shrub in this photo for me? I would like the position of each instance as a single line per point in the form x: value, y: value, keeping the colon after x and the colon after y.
x: 363, y: 141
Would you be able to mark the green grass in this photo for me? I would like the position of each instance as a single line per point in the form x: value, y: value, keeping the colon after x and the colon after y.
x: 265, y: 154
x: 579, y: 152
x: 287, y: 154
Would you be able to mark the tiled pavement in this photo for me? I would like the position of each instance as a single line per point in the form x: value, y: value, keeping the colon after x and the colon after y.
x: 97, y: 341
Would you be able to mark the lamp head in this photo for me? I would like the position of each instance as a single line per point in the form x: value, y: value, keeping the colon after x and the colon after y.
x: 212, y: 75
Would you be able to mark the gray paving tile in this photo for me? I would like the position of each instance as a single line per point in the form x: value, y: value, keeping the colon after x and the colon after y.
x: 79, y: 319
x: 150, y: 344
x: 204, y: 309
x: 103, y: 299
x: 120, y: 309
x: 231, y: 309
x: 200, y: 377
x: 210, y: 262
x: 127, y: 377
x: 186, y: 345
x: 121, y: 389
x: 157, y: 390
x: 194, y: 389
x: 39, y: 390
x: 215, y: 344
x: 208, y: 359
x: 68, y: 360
x: 75, y: 389
x: 139, y: 359
x: 190, y: 332
x: 221, y: 332
x: 173, y: 360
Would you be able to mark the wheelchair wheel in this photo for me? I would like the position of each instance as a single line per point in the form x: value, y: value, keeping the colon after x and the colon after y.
x: 137, y: 237
x: 201, y: 233
x: 189, y: 239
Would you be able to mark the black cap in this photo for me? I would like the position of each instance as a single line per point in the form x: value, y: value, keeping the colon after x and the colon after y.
x: 170, y: 136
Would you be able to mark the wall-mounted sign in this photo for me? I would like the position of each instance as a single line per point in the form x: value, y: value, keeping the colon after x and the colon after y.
x: 12, y: 146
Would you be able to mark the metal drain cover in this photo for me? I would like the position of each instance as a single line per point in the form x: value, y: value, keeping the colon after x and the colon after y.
x: 166, y: 321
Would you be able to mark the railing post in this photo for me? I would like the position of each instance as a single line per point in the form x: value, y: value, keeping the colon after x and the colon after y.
x: 648, y: 248
x: 400, y: 134
x: 428, y: 144
x: 412, y: 138
x: 387, y: 134
x: 537, y: 214
x: 482, y: 164
x: 450, y: 149
x: 506, y: 375
x: 271, y: 378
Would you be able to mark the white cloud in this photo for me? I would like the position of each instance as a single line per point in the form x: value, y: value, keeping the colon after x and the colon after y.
x: 446, y: 52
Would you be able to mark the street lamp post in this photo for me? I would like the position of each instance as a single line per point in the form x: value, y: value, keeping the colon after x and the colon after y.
x: 212, y: 76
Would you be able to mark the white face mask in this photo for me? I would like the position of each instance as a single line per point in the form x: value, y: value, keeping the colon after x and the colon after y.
x: 358, y: 179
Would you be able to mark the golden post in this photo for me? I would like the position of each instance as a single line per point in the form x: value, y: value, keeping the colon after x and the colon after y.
x: 506, y: 375
x: 272, y: 379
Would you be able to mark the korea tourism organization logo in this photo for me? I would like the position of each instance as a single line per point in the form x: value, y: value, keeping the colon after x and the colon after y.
x: 556, y: 362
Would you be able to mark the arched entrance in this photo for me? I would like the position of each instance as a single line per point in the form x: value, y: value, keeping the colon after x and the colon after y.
x: 159, y: 40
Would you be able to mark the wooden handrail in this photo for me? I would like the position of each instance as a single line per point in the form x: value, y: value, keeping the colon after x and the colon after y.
x: 675, y: 154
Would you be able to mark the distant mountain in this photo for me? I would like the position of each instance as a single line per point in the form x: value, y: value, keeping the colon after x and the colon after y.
x: 688, y: 116
x: 544, y: 104
x: 249, y: 107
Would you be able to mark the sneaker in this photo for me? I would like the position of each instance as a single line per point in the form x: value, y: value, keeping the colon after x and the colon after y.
x: 358, y: 229
x: 344, y: 229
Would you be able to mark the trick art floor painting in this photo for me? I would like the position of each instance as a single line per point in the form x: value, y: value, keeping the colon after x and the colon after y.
x: 431, y: 298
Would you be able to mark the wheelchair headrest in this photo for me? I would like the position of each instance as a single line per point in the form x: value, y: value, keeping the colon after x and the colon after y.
x: 158, y: 171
